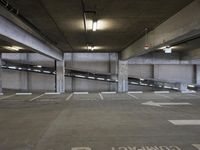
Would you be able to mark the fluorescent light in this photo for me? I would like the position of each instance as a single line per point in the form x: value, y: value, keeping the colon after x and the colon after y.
x: 134, y: 83
x: 191, y: 86
x: 12, y: 48
x: 20, y: 68
x: 29, y: 69
x: 108, y: 79
x: 91, y: 78
x: 144, y: 84
x: 168, y: 50
x: 100, y: 79
x: 79, y: 76
x: 39, y: 66
x: 91, y: 48
x: 36, y: 70
x: 167, y: 87
x: 94, y: 26
x: 46, y: 71
x: 141, y: 79
x: 175, y: 88
x: 12, y: 67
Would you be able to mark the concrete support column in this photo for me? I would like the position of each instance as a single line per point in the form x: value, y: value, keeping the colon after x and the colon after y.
x: 123, y: 76
x: 183, y: 87
x: 24, y: 75
x: 0, y: 75
x: 198, y: 74
x: 155, y: 72
x: 60, y: 76
x: 113, y: 69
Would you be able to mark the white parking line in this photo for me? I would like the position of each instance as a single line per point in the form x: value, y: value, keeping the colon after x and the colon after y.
x: 37, y: 97
x: 81, y: 148
x: 68, y: 98
x: 188, y: 92
x: 109, y: 92
x: 7, y: 97
x: 23, y: 94
x: 78, y: 93
x: 52, y: 93
x: 135, y: 92
x: 101, y: 96
x: 185, y: 122
x: 133, y: 96
x: 161, y: 92
x: 165, y: 96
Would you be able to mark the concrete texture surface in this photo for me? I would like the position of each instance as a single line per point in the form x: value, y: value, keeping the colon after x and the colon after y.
x: 118, y: 122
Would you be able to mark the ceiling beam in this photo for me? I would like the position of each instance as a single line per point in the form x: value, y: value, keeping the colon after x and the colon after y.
x: 183, y: 25
x: 18, y: 32
x: 191, y: 55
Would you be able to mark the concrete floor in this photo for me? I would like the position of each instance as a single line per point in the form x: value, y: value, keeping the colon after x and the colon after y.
x: 98, y: 122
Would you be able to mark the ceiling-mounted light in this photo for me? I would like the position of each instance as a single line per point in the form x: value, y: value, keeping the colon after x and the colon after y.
x: 39, y: 66
x: 168, y: 50
x: 94, y: 26
x: 146, y: 46
x: 90, y: 47
x: 13, y: 48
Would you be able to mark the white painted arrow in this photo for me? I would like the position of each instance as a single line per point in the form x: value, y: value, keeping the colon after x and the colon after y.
x: 151, y: 103
x: 196, y: 146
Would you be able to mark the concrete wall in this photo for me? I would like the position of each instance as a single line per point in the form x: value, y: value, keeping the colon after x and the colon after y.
x: 175, y: 73
x: 140, y: 71
x: 40, y: 82
x: 99, y: 62
x: 142, y: 67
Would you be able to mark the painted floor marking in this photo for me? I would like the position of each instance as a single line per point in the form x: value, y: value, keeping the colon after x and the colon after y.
x: 188, y: 92
x: 165, y: 96
x: 68, y: 98
x: 196, y: 146
x: 146, y: 148
x: 81, y: 148
x: 109, y: 92
x: 133, y: 96
x: 78, y: 93
x: 52, y: 93
x: 151, y: 103
x: 23, y: 94
x: 161, y: 92
x: 37, y: 97
x: 185, y: 122
x: 101, y: 96
x: 7, y: 97
x: 135, y: 92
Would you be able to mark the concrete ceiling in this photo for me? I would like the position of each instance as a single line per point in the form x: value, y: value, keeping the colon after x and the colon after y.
x: 120, y: 22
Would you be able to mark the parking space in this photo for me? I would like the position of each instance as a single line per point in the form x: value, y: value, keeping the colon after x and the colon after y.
x: 14, y: 97
x: 149, y: 96
x: 52, y: 97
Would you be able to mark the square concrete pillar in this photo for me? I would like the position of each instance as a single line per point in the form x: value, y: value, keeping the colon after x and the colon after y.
x: 24, y: 76
x: 198, y: 74
x: 0, y: 74
x: 123, y: 76
x: 113, y: 70
x: 60, y: 76
x: 183, y: 87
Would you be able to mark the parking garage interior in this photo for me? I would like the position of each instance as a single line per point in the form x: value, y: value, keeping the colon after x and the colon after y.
x: 99, y: 75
